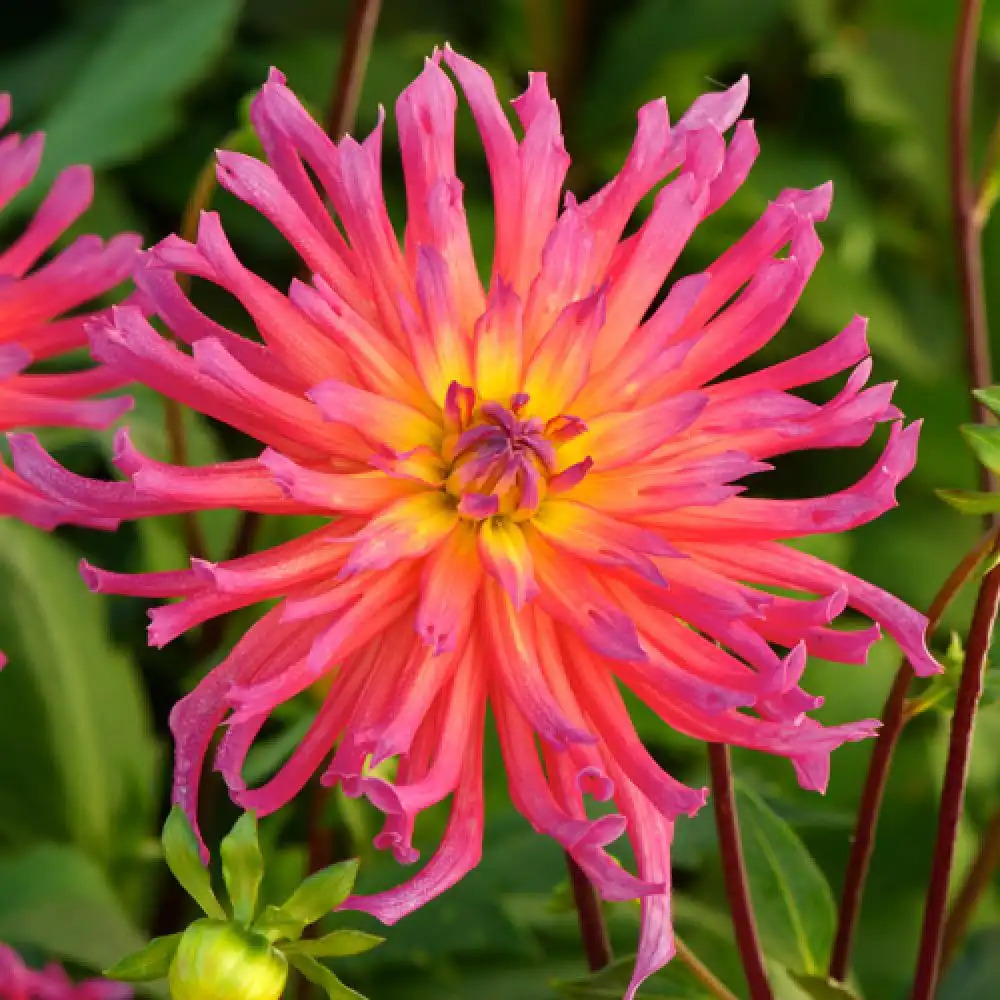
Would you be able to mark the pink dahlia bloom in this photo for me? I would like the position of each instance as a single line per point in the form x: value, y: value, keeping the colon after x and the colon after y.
x: 532, y: 487
x: 19, y: 982
x: 37, y: 319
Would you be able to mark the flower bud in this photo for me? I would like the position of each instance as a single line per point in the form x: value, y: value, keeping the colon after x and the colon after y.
x: 222, y: 961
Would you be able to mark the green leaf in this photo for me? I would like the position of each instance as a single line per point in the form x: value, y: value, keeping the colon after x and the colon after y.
x: 941, y: 687
x: 792, y: 899
x: 674, y: 982
x: 971, y: 501
x: 126, y: 94
x: 77, y: 759
x: 151, y: 962
x: 183, y: 855
x: 337, y: 944
x: 242, y: 867
x: 823, y: 988
x: 989, y: 397
x: 985, y: 442
x: 320, y: 893
x: 275, y: 925
x: 321, y: 976
x: 55, y: 899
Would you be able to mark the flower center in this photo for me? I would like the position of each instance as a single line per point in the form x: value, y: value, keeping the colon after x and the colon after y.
x: 499, y: 462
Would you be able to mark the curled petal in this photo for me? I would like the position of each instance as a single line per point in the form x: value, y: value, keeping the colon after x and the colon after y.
x: 459, y: 851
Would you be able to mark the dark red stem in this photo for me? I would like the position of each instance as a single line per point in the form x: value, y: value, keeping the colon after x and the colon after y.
x: 977, y: 881
x: 894, y: 718
x: 863, y: 843
x: 953, y: 793
x: 593, y: 929
x: 734, y: 873
x: 351, y: 70
x: 967, y: 220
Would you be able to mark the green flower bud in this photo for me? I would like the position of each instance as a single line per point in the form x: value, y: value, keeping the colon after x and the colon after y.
x: 223, y: 961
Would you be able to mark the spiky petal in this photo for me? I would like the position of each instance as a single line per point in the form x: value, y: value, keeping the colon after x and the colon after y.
x: 539, y: 482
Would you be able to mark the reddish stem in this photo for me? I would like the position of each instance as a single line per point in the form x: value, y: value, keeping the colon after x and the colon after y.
x: 967, y: 220
x: 593, y: 929
x: 976, y: 883
x: 734, y: 873
x: 955, y: 774
x: 894, y: 718
x: 351, y: 70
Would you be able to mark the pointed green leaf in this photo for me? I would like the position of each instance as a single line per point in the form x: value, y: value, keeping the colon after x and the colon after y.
x: 242, y: 867
x: 275, y: 925
x: 989, y: 397
x: 941, y: 687
x: 321, y: 976
x: 985, y: 442
x: 125, y: 95
x: 180, y: 847
x: 337, y: 944
x: 322, y: 892
x: 822, y: 988
x: 151, y: 962
x: 55, y: 900
x: 77, y: 760
x: 971, y: 501
x: 792, y: 899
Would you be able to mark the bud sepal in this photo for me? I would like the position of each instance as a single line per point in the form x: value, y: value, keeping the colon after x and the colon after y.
x: 245, y: 956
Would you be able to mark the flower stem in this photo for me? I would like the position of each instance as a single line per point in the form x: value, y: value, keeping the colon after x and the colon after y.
x: 715, y: 986
x: 593, y: 929
x: 734, y: 873
x: 351, y: 70
x: 863, y: 842
x: 977, y: 881
x: 894, y: 718
x: 953, y: 793
x: 968, y: 219
x: 941, y: 935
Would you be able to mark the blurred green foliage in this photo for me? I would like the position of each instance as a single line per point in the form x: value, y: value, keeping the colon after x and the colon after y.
x: 853, y: 90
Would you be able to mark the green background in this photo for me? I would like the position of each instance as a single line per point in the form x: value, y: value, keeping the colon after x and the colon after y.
x: 853, y: 91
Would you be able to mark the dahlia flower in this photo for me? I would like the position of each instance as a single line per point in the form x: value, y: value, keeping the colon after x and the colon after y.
x: 19, y: 982
x: 33, y: 324
x: 532, y: 486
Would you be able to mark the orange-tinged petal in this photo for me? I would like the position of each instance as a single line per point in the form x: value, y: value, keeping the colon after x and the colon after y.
x: 355, y: 491
x: 506, y: 557
x: 559, y: 368
x: 601, y: 539
x: 408, y: 529
x: 440, y: 348
x: 617, y: 439
x: 452, y: 578
x: 383, y: 421
x: 498, y: 346
x: 571, y: 594
x: 509, y: 640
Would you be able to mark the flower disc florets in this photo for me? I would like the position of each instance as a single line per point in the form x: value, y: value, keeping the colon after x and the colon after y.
x: 533, y: 487
x: 497, y: 460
